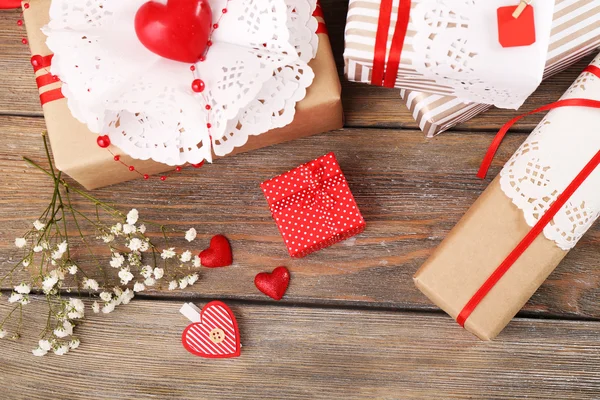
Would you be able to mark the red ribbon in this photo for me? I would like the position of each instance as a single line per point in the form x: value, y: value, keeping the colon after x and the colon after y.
x: 489, y: 156
x: 548, y: 216
x: 9, y: 4
x: 40, y: 62
x: 385, y: 73
x: 45, y: 80
x: 322, y: 27
x: 51, y: 95
x: 316, y: 196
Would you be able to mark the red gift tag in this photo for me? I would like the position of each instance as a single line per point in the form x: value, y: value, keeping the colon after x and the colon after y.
x: 514, y: 32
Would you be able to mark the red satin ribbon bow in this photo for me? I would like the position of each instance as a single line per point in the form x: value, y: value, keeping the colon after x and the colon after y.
x: 315, y: 195
x: 561, y: 200
x: 385, y: 72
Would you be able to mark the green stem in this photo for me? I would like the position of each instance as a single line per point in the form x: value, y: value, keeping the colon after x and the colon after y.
x: 8, y: 316
x: 70, y: 206
x: 62, y: 182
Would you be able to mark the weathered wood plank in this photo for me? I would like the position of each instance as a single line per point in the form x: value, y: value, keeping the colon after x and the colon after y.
x: 365, y: 106
x: 306, y: 353
x: 410, y: 190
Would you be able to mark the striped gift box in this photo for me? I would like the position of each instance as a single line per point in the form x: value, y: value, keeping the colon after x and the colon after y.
x: 575, y: 34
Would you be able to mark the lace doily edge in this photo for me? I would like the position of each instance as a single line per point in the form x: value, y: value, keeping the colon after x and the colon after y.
x: 530, y: 220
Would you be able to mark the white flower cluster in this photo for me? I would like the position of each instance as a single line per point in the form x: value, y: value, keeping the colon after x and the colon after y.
x: 59, y: 344
x: 20, y: 294
x: 184, y: 282
x: 129, y: 247
x: 112, y: 299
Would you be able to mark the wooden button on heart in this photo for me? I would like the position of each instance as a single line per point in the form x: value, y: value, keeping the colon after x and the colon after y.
x: 217, y: 335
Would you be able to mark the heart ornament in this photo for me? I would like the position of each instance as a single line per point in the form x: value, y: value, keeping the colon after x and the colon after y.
x: 178, y: 30
x: 216, y: 335
x: 218, y: 254
x: 273, y: 284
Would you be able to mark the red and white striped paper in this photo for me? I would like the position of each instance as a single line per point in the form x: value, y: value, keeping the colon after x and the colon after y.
x: 215, y: 317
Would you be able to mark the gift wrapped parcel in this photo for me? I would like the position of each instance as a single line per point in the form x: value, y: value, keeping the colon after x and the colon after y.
x: 478, y: 255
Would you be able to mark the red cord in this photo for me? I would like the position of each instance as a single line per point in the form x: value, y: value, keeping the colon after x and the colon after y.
x: 548, y: 216
x: 527, y: 240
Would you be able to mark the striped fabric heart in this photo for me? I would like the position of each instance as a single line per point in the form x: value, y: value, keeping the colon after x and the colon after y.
x: 216, y: 335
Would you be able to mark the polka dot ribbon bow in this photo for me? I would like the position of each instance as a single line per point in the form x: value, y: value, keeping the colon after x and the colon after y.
x: 315, y: 196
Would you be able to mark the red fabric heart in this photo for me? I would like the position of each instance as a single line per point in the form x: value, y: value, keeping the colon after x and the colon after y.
x: 218, y: 254
x: 273, y: 284
x: 178, y: 30
x: 216, y: 335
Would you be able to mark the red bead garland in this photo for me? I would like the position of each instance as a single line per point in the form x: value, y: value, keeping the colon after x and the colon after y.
x: 103, y: 141
x: 198, y: 85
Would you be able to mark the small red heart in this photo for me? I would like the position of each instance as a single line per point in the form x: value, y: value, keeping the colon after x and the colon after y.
x: 273, y: 284
x: 216, y: 335
x: 218, y: 254
x: 178, y: 30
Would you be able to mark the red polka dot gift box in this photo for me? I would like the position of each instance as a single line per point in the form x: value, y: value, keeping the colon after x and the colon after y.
x: 313, y: 206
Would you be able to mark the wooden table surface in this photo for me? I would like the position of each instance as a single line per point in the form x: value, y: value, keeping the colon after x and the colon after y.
x: 352, y: 324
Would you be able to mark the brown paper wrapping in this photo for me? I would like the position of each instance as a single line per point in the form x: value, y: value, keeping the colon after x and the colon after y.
x: 77, y: 154
x: 476, y: 246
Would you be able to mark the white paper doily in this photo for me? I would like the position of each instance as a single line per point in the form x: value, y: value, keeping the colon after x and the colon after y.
x: 456, y: 44
x: 255, y: 73
x: 557, y: 150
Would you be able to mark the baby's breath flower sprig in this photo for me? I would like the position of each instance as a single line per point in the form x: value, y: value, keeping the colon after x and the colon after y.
x: 48, y: 251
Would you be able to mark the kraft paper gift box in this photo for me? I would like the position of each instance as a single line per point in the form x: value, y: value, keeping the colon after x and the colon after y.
x: 529, y: 184
x: 77, y: 154
x: 575, y: 34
